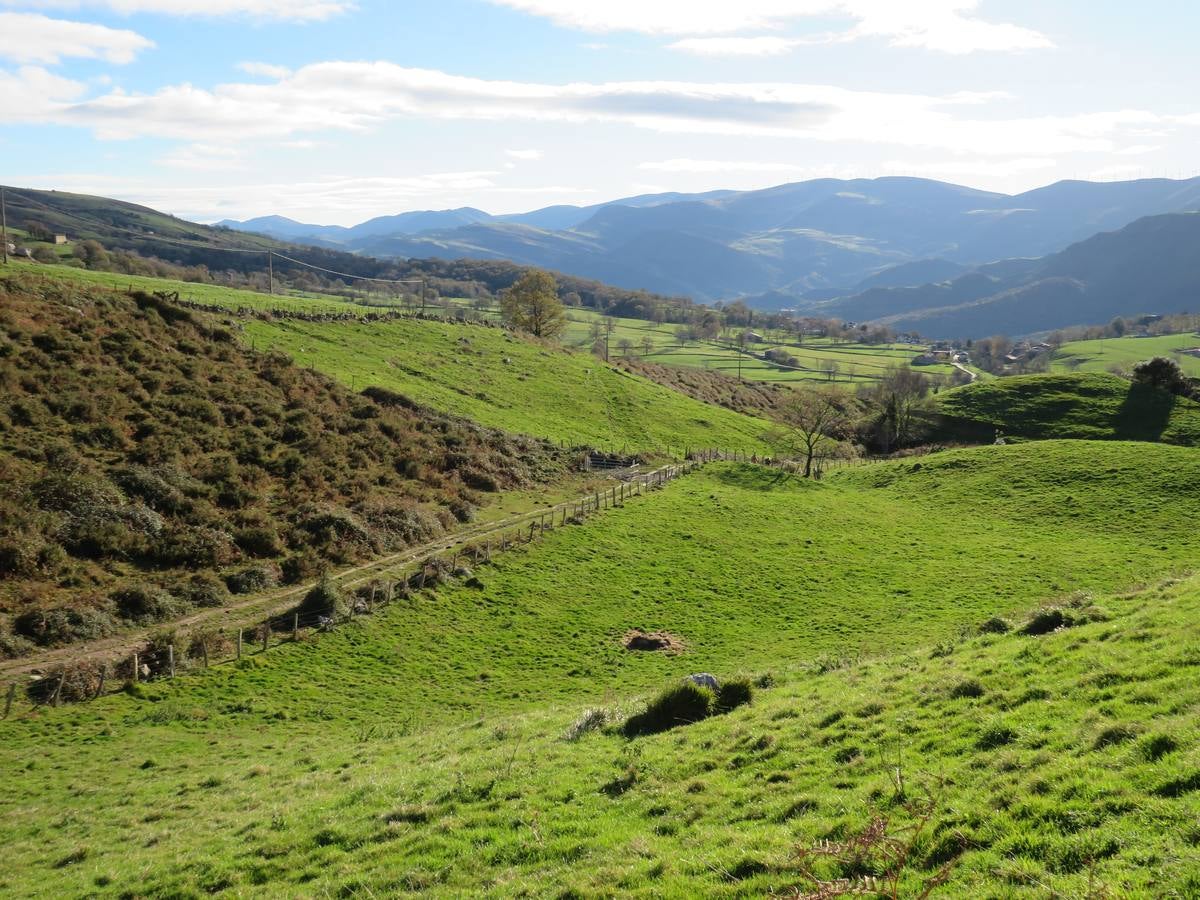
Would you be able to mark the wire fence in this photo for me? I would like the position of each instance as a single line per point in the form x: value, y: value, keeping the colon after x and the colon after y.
x: 175, y: 652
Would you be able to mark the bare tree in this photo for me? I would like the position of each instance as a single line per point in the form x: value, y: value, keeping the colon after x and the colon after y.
x: 899, y: 397
x: 810, y: 425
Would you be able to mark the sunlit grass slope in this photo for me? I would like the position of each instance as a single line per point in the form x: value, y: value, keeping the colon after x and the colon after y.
x: 503, y: 381
x: 215, y: 295
x: 420, y: 750
x: 1092, y: 406
x: 1126, y: 352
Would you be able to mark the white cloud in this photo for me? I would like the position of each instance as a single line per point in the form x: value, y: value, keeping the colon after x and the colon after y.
x: 736, y: 46
x: 293, y: 10
x: 34, y: 87
x: 203, y: 158
x: 948, y: 26
x: 524, y: 154
x: 336, y: 199
x: 980, y: 168
x: 33, y: 38
x: 266, y: 70
x: 712, y: 166
x: 358, y: 96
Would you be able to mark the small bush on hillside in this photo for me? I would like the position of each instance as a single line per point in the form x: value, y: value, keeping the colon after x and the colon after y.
x: 63, y: 625
x: 151, y: 488
x: 196, y: 548
x: 260, y: 541
x: 1044, y: 621
x: 252, y: 578
x: 967, y: 688
x: 13, y: 646
x: 325, y: 599
x: 734, y: 693
x: 147, y: 604
x: 995, y: 625
x: 681, y: 704
x: 203, y: 589
x: 591, y: 720
x: 302, y: 566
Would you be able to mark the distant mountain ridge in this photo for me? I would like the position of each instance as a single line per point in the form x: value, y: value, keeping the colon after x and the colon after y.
x: 821, y: 237
x: 1151, y: 266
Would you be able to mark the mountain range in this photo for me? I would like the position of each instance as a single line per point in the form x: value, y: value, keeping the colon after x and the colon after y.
x: 784, y: 246
x: 1151, y: 266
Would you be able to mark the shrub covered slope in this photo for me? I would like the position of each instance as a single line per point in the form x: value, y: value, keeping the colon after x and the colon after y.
x: 1090, y: 406
x: 357, y: 762
x: 151, y: 463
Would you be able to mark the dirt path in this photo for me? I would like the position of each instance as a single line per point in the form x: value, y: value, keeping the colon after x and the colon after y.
x: 253, y: 609
x: 974, y: 376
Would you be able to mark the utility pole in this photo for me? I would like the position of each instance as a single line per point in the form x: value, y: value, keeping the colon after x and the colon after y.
x: 271, y: 269
x: 3, y: 226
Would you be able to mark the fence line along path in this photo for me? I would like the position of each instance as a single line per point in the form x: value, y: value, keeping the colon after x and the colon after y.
x: 258, y: 619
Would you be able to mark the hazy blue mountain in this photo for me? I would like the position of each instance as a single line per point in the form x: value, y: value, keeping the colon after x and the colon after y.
x: 1149, y: 266
x: 827, y: 236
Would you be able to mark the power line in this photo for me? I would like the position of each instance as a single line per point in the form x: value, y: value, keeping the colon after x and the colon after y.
x: 301, y: 262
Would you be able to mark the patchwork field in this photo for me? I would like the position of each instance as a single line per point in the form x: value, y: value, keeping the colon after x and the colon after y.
x: 507, y: 382
x: 854, y: 363
x: 422, y: 750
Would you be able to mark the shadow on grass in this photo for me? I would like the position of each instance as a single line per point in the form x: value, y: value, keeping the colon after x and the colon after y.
x: 758, y: 478
x: 1144, y: 414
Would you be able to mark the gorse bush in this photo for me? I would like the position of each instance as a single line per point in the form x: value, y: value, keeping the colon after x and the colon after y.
x: 734, y: 693
x: 680, y: 704
x: 688, y: 702
x: 140, y: 438
x: 325, y: 599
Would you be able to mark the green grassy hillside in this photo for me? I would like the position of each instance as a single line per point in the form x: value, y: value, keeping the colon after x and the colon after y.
x: 1089, y: 406
x: 506, y: 382
x: 422, y: 750
x: 1126, y: 352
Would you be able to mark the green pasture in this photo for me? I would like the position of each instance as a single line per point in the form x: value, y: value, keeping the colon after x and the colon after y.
x: 1126, y: 352
x: 424, y: 750
x: 852, y: 363
x: 505, y: 381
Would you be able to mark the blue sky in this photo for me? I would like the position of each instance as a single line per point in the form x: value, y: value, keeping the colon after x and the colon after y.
x: 334, y: 111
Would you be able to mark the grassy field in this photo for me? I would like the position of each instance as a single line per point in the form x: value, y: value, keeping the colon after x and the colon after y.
x: 1100, y: 356
x: 209, y: 294
x: 507, y: 382
x: 422, y: 750
x: 856, y: 363
x: 1089, y: 406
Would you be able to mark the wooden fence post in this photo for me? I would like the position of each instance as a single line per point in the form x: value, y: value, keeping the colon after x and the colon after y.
x: 103, y: 678
x: 295, y: 626
x: 136, y: 673
x: 239, y: 646
x: 171, y: 658
x: 8, y: 701
x: 58, y: 689
x: 266, y: 635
